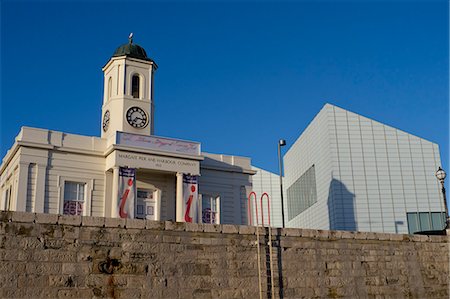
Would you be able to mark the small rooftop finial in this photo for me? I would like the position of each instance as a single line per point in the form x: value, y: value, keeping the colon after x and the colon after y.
x: 130, y: 38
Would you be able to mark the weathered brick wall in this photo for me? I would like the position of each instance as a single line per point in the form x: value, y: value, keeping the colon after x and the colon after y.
x: 50, y: 256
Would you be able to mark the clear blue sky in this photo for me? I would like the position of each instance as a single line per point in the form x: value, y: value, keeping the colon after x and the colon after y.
x: 235, y: 76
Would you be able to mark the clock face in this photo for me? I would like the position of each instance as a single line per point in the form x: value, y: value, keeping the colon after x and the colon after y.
x: 106, y: 118
x: 137, y: 117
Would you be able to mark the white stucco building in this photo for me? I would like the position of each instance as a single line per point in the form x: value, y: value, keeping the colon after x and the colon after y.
x: 348, y: 172
x: 48, y: 171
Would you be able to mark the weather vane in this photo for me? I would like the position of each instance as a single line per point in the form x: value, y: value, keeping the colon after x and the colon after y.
x: 130, y: 38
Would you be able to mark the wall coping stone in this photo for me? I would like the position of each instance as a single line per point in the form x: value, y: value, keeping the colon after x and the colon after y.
x: 175, y: 226
x: 154, y: 225
x: 247, y: 230
x: 193, y: 227
x: 69, y: 220
x: 115, y: 222
x: 22, y: 217
x: 230, y: 229
x: 291, y: 232
x: 89, y: 221
x: 93, y: 221
x: 135, y: 223
x: 212, y: 228
x: 5, y: 216
x: 46, y: 218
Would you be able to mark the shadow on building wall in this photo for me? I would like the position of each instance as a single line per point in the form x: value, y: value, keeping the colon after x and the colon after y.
x: 341, y: 207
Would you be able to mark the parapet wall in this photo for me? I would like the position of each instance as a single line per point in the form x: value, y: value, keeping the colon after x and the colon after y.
x: 50, y: 256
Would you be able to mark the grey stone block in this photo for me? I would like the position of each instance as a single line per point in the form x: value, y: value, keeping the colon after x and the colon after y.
x: 383, y: 236
x: 360, y: 236
x: 371, y: 236
x: 335, y: 234
x: 46, y: 218
x: 212, y: 228
x: 114, y: 222
x: 5, y: 216
x: 348, y: 235
x: 396, y: 237
x: 248, y: 230
x: 309, y: 233
x: 175, y: 226
x: 194, y: 227
x: 69, y: 220
x: 291, y: 232
x: 156, y: 225
x: 230, y: 229
x: 439, y: 239
x: 135, y: 223
x: 23, y: 217
x: 92, y: 221
x: 323, y: 234
x: 420, y: 238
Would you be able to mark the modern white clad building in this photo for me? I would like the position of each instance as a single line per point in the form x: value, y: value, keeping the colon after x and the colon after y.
x: 266, y: 181
x: 348, y: 172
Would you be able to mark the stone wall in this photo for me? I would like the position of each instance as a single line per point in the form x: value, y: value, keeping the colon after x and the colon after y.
x: 50, y: 256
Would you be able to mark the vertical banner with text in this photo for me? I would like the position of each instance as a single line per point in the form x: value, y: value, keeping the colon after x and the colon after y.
x: 127, y: 192
x: 190, y: 197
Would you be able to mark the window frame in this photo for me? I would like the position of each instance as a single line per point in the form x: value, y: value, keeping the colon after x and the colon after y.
x: 416, y: 217
x: 200, y: 207
x: 6, y: 198
x: 139, y: 88
x: 109, y: 88
x: 88, y: 188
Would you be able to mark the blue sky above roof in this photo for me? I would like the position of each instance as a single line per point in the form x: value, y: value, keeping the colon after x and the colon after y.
x: 236, y: 76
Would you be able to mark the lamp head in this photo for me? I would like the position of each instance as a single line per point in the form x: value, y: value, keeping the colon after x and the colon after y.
x: 282, y: 142
x: 440, y: 174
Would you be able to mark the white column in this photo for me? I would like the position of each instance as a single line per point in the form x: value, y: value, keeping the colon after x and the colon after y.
x: 157, y: 196
x: 179, y: 200
x: 39, y: 200
x: 22, y: 188
x: 115, y: 192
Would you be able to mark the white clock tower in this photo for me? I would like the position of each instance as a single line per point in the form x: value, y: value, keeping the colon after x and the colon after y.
x: 128, y: 92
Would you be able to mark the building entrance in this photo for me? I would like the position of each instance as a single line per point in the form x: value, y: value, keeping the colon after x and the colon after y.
x: 148, y: 204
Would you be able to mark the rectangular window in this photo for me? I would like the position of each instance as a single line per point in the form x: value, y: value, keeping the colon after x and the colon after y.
x: 135, y: 86
x: 413, y: 223
x: 210, y: 209
x: 302, y: 194
x: 73, y: 198
x: 438, y: 220
x: 7, y: 199
x: 425, y: 221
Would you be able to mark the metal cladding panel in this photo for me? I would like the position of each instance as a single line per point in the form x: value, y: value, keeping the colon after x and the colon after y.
x: 265, y: 181
x: 312, y: 148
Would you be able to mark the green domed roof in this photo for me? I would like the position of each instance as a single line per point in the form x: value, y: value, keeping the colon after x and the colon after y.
x: 131, y: 50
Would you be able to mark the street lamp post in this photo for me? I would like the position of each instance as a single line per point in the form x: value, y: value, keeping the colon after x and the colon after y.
x: 281, y: 143
x: 440, y: 174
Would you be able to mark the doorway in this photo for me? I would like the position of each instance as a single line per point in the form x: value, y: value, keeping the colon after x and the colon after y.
x: 148, y: 204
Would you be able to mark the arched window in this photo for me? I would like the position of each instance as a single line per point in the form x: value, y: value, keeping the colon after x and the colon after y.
x: 109, y: 88
x: 135, y: 86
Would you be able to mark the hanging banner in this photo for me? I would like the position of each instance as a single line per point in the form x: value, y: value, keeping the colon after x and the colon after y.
x: 190, y: 197
x: 127, y: 192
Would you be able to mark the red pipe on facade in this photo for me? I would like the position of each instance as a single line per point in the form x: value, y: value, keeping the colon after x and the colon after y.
x: 249, y: 204
x: 268, y: 207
